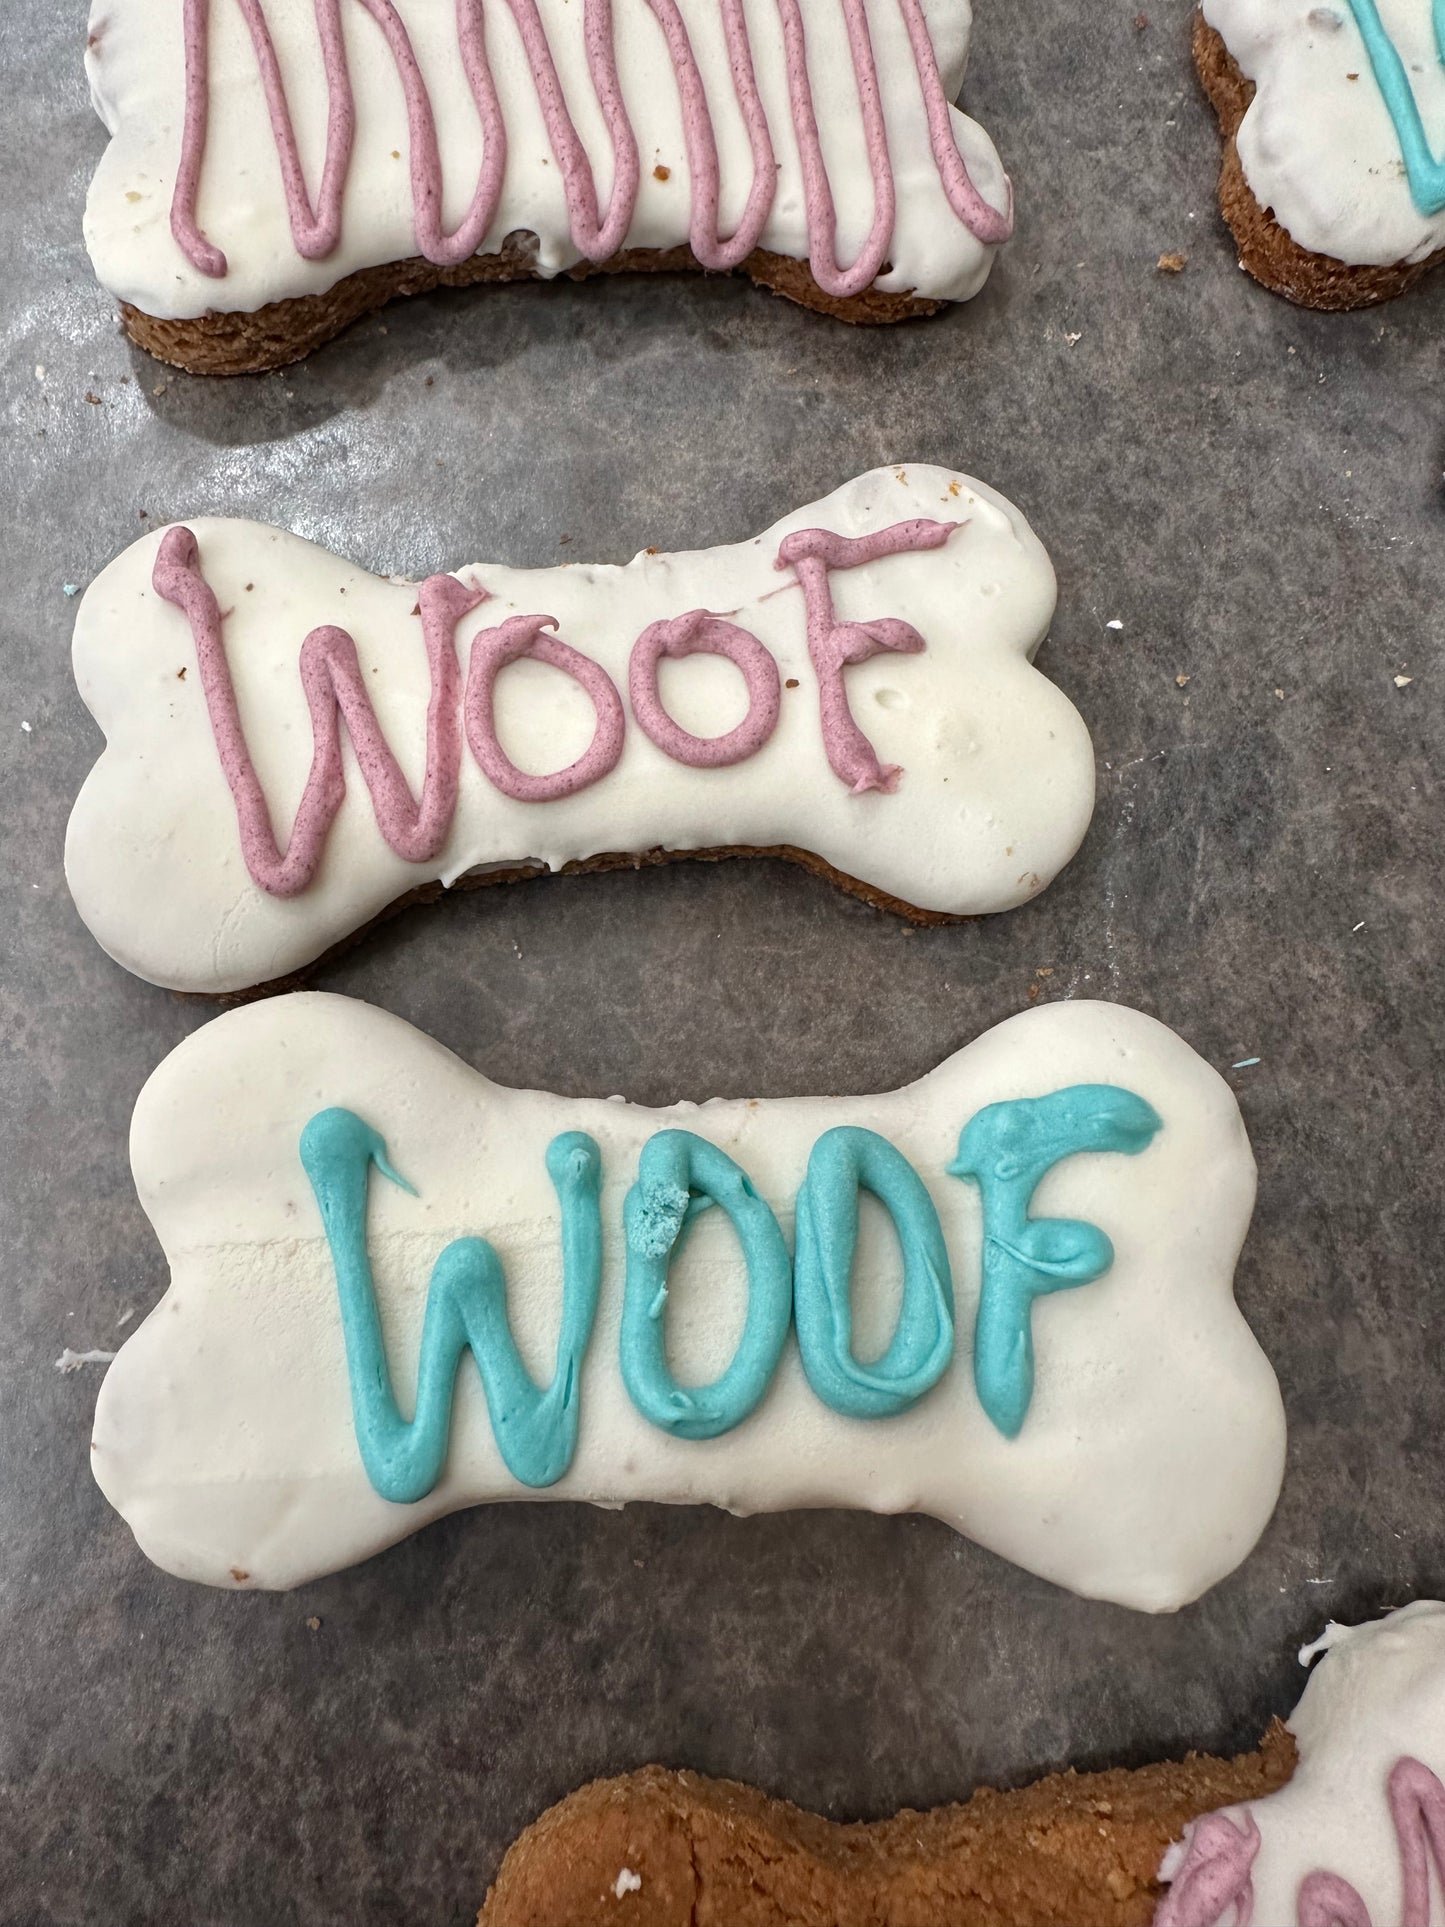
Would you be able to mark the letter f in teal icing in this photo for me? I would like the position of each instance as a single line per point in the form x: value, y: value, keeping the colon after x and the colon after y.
x: 1006, y: 1150
x: 1424, y: 171
x: 466, y: 1309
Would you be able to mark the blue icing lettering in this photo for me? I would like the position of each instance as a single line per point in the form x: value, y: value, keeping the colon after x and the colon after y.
x: 679, y: 1175
x: 466, y: 1309
x: 1007, y: 1149
x: 844, y: 1161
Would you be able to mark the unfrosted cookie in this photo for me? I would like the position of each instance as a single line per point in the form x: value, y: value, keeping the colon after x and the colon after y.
x: 665, y: 1849
x: 1333, y: 117
x: 295, y: 745
x: 677, y: 1305
x: 278, y: 167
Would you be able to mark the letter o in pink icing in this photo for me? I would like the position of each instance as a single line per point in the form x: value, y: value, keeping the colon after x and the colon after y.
x: 693, y: 634
x: 492, y: 650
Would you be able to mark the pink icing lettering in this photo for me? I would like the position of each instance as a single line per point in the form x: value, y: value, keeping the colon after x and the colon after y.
x: 1215, y: 1871
x: 335, y: 690
x: 692, y: 634
x: 521, y: 636
x: 832, y: 645
x: 316, y: 229
x: 1214, y: 1875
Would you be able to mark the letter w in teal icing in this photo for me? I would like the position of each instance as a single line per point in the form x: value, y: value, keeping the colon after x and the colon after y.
x: 1007, y: 1149
x: 466, y: 1309
x: 1426, y: 172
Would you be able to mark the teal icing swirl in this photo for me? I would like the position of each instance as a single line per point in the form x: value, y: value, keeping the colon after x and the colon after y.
x: 680, y: 1175
x: 1007, y: 1149
x: 1423, y: 168
x: 466, y: 1309
x: 843, y: 1161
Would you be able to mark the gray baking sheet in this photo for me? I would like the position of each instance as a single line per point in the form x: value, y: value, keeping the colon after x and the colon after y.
x: 1254, y: 493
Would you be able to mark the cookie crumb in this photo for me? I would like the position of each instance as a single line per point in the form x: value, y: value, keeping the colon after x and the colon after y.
x: 1141, y: 23
x: 1173, y: 263
x: 791, y: 683
x: 660, y: 173
x: 627, y: 1882
x: 239, y: 1575
x: 92, y: 398
x: 313, y: 1625
x: 1403, y: 682
x: 1182, y: 682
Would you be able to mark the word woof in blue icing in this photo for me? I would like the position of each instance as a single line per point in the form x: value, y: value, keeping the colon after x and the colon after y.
x: 1423, y: 168
x: 1006, y: 1150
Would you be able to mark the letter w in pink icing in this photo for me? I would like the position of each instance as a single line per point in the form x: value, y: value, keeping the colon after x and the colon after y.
x: 331, y: 677
x: 832, y: 645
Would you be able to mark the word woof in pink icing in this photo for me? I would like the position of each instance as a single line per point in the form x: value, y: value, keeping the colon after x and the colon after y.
x: 596, y: 233
x: 416, y: 827
x: 1213, y: 1885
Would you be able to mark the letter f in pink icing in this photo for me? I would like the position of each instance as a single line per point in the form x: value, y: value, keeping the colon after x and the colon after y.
x: 832, y: 645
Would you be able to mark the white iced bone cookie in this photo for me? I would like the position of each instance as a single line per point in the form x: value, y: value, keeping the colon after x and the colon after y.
x: 1062, y: 1374
x: 1345, y: 137
x: 294, y: 744
x: 1358, y: 1835
x: 265, y: 149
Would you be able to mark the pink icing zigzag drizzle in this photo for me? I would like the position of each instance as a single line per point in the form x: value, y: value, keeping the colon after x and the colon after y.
x: 316, y: 228
x: 1214, y: 1875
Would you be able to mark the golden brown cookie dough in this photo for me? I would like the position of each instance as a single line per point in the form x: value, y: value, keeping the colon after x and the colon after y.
x: 1265, y: 249
x: 287, y: 331
x: 665, y: 1849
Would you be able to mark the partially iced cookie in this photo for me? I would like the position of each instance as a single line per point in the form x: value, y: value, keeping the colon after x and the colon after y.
x: 1333, y: 117
x: 1001, y: 1295
x: 293, y: 745
x: 1358, y: 1835
x: 278, y: 167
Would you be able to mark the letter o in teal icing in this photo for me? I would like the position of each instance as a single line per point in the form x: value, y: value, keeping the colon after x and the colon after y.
x: 679, y: 1175
x: 845, y: 1161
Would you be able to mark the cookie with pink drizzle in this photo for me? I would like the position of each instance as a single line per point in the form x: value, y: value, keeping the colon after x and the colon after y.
x: 1357, y: 1838
x: 276, y: 170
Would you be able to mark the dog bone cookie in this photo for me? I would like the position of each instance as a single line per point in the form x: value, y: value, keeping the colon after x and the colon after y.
x: 674, y: 1849
x: 1333, y: 116
x: 1027, y: 1330
x: 276, y: 169
x: 1365, y: 1800
x: 1358, y: 1835
x: 295, y: 745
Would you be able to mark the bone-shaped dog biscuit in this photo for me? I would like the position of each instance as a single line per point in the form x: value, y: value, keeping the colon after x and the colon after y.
x: 276, y: 169
x: 670, y: 1305
x: 1350, y: 1829
x: 293, y: 744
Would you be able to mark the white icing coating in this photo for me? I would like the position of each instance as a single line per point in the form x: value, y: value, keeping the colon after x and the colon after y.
x: 1147, y: 1466
x: 137, y: 79
x: 1317, y: 144
x: 998, y: 782
x: 1376, y: 1696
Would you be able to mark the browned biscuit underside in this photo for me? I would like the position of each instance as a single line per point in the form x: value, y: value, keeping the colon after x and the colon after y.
x: 1074, y: 1850
x: 285, y: 331
x: 587, y: 866
x: 1265, y: 249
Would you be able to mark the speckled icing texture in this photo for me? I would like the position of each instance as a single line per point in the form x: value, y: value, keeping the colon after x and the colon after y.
x: 1317, y: 144
x: 996, y: 790
x: 1358, y: 1835
x: 1153, y: 1450
x: 818, y: 129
